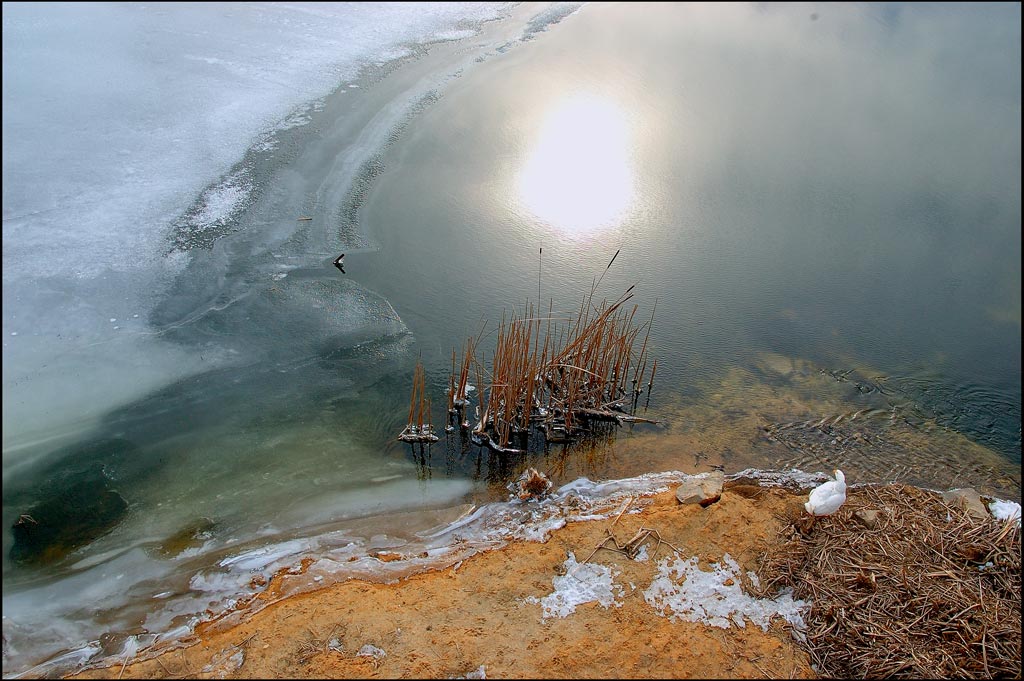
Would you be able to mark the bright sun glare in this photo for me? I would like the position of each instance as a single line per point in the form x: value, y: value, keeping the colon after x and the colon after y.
x: 578, y: 177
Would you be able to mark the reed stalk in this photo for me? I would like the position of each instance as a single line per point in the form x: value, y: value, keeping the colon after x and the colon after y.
x: 559, y: 378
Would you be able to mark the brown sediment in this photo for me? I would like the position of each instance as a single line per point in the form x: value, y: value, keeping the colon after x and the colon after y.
x: 902, y: 595
x: 786, y: 413
x: 446, y: 623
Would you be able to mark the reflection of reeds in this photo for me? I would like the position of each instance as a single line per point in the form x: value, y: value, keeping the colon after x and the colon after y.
x: 418, y: 427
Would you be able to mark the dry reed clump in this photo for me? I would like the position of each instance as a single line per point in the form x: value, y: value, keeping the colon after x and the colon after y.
x: 418, y: 428
x: 557, y: 379
x: 928, y: 592
x: 532, y: 484
x: 560, y: 382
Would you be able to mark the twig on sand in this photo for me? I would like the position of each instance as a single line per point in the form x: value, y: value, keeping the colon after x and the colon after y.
x: 622, y: 512
x: 247, y: 640
x: 631, y: 548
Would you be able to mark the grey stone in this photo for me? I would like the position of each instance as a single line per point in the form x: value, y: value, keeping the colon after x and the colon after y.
x: 966, y: 498
x: 704, y: 491
x: 867, y: 518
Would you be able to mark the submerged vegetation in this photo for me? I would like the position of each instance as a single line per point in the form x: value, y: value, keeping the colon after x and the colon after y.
x: 556, y: 376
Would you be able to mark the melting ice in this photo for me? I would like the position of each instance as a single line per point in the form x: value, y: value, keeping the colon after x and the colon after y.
x: 681, y: 590
x: 116, y: 117
x: 144, y: 359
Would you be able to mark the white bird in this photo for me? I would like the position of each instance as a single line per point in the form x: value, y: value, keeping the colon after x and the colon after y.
x: 826, y: 498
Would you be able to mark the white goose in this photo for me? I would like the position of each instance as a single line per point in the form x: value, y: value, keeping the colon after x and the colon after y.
x: 826, y: 498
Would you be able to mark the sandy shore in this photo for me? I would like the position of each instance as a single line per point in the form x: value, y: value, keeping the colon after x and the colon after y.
x: 453, y: 620
x: 485, y: 614
x: 578, y: 606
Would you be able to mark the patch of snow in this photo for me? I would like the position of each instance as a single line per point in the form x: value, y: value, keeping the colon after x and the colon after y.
x: 793, y: 477
x: 538, y: 531
x: 225, y: 663
x: 371, y: 651
x: 1005, y: 510
x: 683, y: 591
x: 581, y: 583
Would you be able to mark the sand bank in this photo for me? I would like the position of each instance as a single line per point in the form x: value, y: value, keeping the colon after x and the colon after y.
x: 515, y: 611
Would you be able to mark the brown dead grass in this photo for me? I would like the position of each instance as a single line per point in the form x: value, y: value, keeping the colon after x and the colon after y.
x: 929, y: 592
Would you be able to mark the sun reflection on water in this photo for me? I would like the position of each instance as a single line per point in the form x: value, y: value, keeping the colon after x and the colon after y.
x: 578, y: 177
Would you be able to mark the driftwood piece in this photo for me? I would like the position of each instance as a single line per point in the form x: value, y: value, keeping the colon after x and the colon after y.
x: 607, y: 415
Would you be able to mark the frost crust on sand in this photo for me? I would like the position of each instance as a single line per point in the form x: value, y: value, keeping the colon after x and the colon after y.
x: 373, y: 651
x: 683, y: 591
x: 580, y: 584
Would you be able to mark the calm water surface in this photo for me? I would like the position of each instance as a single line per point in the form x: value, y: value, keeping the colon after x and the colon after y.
x: 839, y: 186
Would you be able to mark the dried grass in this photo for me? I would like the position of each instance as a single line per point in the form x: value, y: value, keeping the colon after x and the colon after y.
x: 928, y: 592
x: 566, y: 383
x: 418, y: 428
x: 562, y: 381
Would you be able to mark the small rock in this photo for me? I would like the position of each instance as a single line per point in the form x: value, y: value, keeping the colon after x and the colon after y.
x: 973, y: 552
x: 704, y: 491
x: 867, y: 518
x: 968, y: 499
